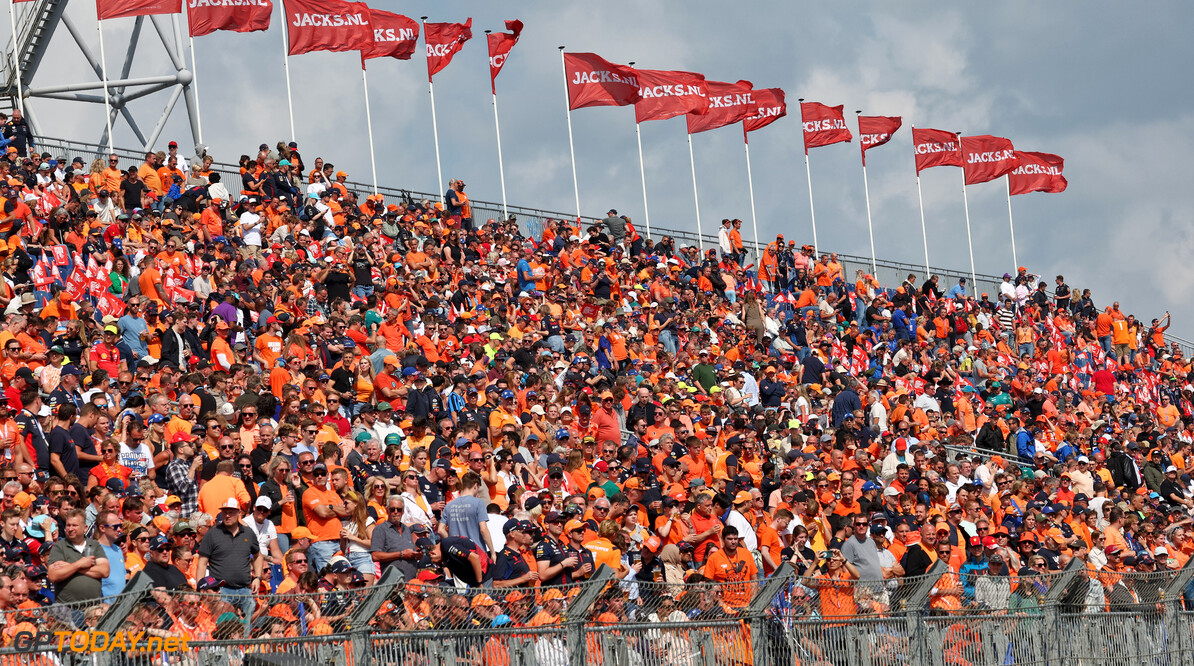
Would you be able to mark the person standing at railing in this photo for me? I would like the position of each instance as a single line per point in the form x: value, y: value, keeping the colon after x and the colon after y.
x: 732, y: 564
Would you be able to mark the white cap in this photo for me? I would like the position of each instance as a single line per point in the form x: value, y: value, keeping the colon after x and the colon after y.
x: 264, y: 502
x: 890, y: 492
x: 1161, y: 550
x: 231, y: 504
x: 1084, y: 459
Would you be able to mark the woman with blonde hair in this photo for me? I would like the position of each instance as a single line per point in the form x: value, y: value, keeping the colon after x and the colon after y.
x: 376, y: 491
x: 356, y: 533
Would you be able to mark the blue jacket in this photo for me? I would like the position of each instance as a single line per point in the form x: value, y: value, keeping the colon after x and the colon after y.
x: 1025, y: 445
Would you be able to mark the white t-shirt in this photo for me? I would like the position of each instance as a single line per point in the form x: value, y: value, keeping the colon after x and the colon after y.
x: 139, y: 459
x: 266, y: 532
x: 250, y: 228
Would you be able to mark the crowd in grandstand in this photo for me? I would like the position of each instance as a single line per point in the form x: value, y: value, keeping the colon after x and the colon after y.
x: 281, y: 387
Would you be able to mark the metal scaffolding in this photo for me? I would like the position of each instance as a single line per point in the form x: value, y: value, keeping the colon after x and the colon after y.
x: 36, y: 22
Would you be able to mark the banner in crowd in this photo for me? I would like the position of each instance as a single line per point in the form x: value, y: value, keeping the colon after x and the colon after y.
x: 594, y: 81
x: 327, y: 25
x: 934, y: 148
x: 110, y: 9
x: 444, y: 40
x: 667, y: 94
x: 1037, y: 172
x: 394, y: 36
x: 986, y: 157
x: 500, y: 44
x: 207, y: 16
x: 728, y: 103
x: 770, y: 106
x: 874, y: 131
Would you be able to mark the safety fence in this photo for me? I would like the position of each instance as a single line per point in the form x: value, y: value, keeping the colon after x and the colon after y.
x: 1074, y: 616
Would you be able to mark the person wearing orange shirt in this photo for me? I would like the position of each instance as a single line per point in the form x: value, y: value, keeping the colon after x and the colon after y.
x: 732, y: 564
x: 268, y: 347
x: 323, y: 508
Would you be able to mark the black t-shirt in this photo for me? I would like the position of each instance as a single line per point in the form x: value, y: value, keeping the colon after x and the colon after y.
x: 553, y: 552
x: 62, y: 444
x: 456, y: 551
x: 510, y: 564
x: 1168, y: 488
x: 338, y: 282
x: 167, y: 576
x: 131, y: 193
x: 362, y: 271
x: 814, y: 370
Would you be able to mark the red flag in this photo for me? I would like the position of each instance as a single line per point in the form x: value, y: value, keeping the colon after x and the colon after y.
x: 986, y: 157
x: 207, y: 16
x: 444, y: 40
x: 327, y: 25
x: 110, y: 305
x: 875, y: 131
x: 823, y: 125
x: 669, y: 94
x: 394, y: 36
x: 110, y: 9
x: 770, y: 106
x: 500, y: 44
x: 728, y: 104
x: 934, y: 148
x: 594, y: 81
x: 1038, y: 172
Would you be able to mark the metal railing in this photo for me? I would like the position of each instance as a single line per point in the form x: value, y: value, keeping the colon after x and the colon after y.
x: 1073, y: 616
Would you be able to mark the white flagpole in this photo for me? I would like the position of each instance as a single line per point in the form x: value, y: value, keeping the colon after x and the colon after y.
x: 969, y: 241
x: 439, y: 170
x: 369, y: 127
x: 750, y: 187
x: 12, y: 15
x: 195, y: 87
x: 498, y: 130
x: 919, y: 197
x: 696, y: 199
x: 571, y: 148
x: 104, y: 74
x: 642, y: 171
x: 1011, y: 226
x: 286, y: 66
x: 501, y: 169
x: 866, y: 190
x: 809, y: 172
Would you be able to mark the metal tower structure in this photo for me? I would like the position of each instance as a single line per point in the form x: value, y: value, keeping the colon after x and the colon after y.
x: 36, y: 23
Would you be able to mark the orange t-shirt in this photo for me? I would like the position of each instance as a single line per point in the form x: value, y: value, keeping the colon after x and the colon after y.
x: 324, y: 529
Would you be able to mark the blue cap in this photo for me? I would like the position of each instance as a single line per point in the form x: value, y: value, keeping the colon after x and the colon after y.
x: 407, y: 372
x: 870, y: 485
x: 507, y: 394
x: 159, y: 542
x: 563, y: 433
x: 156, y: 418
x: 71, y: 369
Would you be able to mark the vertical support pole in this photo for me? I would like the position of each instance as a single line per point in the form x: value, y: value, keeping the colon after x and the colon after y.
x: 16, y: 65
x: 696, y: 199
x: 750, y: 187
x: 642, y: 171
x: 571, y: 147
x: 1010, y: 224
x: 195, y: 88
x: 104, y: 74
x: 286, y: 67
x: 369, y: 127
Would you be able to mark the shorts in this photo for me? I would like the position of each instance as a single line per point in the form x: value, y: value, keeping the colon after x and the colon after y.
x: 1122, y: 350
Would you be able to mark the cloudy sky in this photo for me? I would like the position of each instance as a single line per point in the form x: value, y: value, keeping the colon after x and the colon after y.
x: 1088, y: 81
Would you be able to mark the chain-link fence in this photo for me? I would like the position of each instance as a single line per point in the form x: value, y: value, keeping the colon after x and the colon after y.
x: 1076, y: 616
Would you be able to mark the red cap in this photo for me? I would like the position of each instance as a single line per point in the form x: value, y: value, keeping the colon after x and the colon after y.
x: 601, y: 466
x: 975, y: 541
x: 901, y: 444
x: 989, y: 543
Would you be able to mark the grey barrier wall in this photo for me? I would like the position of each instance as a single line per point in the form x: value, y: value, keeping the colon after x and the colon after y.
x: 1075, y: 616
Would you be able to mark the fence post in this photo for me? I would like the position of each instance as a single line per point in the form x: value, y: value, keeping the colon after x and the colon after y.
x: 1059, y: 590
x: 129, y: 597
x: 914, y: 608
x: 358, y: 621
x: 1172, y: 595
x: 756, y: 611
x: 578, y: 611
